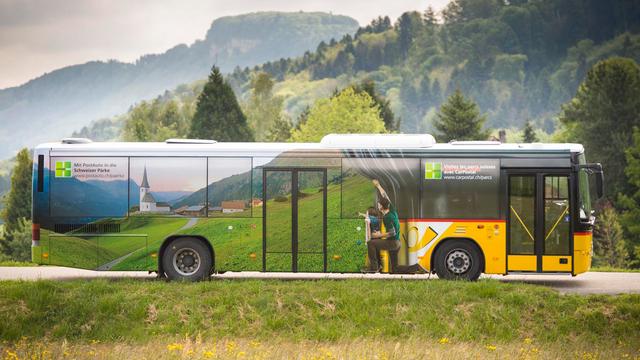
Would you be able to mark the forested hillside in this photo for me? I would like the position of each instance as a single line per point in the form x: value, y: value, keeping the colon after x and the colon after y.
x: 55, y: 104
x: 518, y: 62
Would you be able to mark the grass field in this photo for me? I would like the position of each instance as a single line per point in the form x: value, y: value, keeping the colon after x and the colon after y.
x: 237, y: 241
x: 312, y: 318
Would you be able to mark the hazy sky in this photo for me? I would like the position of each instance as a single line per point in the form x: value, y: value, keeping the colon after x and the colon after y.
x: 170, y: 174
x: 38, y: 36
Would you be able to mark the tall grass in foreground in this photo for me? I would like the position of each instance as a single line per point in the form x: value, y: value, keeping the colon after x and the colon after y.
x: 324, y: 310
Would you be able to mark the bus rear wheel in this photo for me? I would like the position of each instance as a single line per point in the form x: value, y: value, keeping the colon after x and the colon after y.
x: 187, y: 259
x: 458, y: 260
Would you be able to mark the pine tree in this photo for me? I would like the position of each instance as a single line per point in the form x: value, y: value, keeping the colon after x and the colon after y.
x: 430, y: 19
x: 603, y: 114
x: 460, y: 119
x: 18, y: 200
x: 630, y: 201
x: 608, y: 242
x: 218, y: 115
x: 529, y: 133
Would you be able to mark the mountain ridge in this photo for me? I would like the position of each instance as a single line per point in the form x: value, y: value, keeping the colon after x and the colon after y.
x: 58, y: 102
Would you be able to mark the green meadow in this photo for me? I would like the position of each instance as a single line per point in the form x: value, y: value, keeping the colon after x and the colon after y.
x: 237, y: 240
x: 156, y: 319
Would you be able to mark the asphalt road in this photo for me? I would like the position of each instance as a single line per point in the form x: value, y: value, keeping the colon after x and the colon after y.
x: 589, y: 283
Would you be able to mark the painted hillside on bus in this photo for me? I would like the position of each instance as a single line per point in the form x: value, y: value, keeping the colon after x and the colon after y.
x: 88, y: 187
x: 237, y: 241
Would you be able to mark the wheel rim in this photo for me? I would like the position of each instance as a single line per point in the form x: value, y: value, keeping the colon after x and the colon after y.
x: 186, y: 261
x: 458, y: 261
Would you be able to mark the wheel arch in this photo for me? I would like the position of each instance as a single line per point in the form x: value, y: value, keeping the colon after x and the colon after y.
x: 171, y: 238
x: 445, y: 240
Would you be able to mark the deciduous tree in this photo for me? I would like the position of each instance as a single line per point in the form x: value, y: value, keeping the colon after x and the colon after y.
x: 348, y: 112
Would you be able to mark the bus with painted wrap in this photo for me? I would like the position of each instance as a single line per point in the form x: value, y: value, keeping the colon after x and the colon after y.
x: 189, y: 208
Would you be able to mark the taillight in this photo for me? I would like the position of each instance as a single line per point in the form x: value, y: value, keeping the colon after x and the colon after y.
x: 35, y: 232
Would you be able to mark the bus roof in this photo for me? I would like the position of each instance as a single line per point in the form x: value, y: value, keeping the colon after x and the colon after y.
x: 406, y: 144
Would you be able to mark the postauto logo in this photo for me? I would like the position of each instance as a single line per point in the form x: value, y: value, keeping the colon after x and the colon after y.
x: 433, y: 171
x: 63, y: 169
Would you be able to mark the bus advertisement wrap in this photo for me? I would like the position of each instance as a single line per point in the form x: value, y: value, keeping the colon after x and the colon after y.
x: 340, y: 212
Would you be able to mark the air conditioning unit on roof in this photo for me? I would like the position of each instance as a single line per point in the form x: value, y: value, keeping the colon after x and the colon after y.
x: 378, y: 141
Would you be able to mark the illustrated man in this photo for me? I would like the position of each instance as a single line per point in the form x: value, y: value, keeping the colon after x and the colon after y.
x: 388, y: 240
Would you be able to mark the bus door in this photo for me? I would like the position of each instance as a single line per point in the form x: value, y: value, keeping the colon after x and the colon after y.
x: 539, y: 222
x: 294, y: 220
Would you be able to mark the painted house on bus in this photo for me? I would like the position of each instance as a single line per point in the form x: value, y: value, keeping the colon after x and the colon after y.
x: 232, y: 206
x: 147, y: 202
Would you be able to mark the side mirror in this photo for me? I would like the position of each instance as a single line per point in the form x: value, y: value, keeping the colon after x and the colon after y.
x: 600, y: 183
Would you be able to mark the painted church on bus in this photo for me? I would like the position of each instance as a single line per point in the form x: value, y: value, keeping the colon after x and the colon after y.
x: 147, y: 202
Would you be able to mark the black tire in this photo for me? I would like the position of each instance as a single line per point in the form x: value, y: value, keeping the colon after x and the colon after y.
x: 458, y: 260
x: 187, y: 259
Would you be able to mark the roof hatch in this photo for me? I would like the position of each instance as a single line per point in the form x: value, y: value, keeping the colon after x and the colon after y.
x: 351, y: 141
x: 190, y: 141
x: 76, y: 141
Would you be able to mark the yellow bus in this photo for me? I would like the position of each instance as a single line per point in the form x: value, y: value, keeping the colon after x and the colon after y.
x: 189, y: 208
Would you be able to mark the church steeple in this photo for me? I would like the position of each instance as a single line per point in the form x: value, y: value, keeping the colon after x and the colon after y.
x: 145, y: 182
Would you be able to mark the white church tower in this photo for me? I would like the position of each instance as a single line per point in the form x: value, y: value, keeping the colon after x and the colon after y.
x: 146, y: 199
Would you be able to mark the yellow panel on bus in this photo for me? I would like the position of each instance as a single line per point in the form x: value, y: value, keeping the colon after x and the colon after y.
x: 523, y: 263
x: 582, y: 251
x: 423, y: 236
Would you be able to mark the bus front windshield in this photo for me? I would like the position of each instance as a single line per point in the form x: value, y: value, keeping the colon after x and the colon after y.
x: 584, y: 191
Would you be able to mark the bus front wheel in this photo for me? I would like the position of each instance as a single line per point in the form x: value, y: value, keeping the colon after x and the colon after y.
x: 458, y: 260
x: 187, y: 259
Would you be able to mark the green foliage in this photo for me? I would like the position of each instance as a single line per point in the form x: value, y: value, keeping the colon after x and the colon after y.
x: 516, y: 59
x: 18, y: 241
x: 167, y: 116
x: 218, y: 115
x: 346, y: 113
x: 460, y: 119
x: 608, y: 239
x: 386, y: 113
x: 18, y: 200
x: 17, y: 207
x: 485, y: 312
x: 157, y: 121
x: 265, y: 110
x: 630, y: 201
x: 603, y: 114
x: 529, y: 133
x: 102, y: 130
x: 280, y: 130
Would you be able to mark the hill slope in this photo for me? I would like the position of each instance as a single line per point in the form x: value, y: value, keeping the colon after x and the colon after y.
x: 518, y: 61
x: 64, y: 100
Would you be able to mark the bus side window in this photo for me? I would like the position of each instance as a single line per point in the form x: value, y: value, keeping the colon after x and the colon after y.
x: 229, y: 187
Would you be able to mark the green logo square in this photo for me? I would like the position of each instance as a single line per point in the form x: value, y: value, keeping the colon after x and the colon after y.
x: 433, y: 171
x: 63, y: 169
